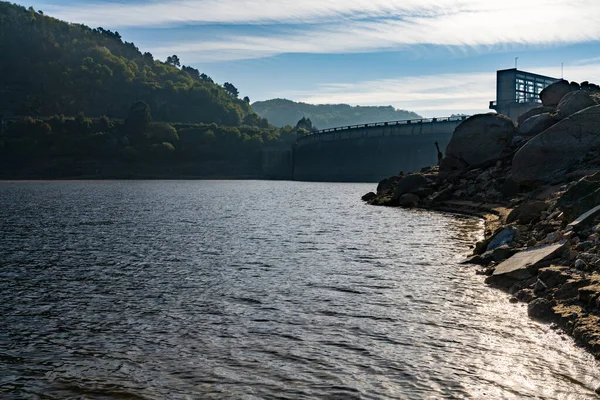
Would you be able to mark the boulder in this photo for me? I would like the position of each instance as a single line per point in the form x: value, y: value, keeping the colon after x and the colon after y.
x: 536, y: 124
x: 573, y: 102
x: 481, y: 138
x: 519, y: 266
x: 546, y: 157
x: 409, y: 184
x: 503, y: 237
x: 535, y: 111
x: 541, y: 309
x: 527, y: 212
x: 450, y: 164
x: 552, y: 94
x: 369, y: 196
x: 585, y: 220
x: 388, y: 184
x: 408, y: 200
x: 581, y: 197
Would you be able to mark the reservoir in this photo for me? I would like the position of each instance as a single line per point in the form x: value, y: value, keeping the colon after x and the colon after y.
x: 257, y: 290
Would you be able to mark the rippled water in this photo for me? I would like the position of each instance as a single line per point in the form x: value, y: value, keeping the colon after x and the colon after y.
x: 275, y: 290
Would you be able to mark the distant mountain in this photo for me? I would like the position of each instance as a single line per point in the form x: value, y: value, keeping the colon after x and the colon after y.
x: 281, y: 112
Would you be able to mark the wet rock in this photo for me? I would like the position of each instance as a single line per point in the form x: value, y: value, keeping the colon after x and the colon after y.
x: 573, y: 102
x: 525, y: 295
x: 527, y: 212
x: 536, y: 124
x: 546, y: 157
x: 503, y: 237
x: 513, y: 300
x: 580, y: 264
x: 553, y: 94
x: 481, y: 138
x: 541, y: 309
x: 408, y: 200
x: 535, y: 111
x: 369, y: 196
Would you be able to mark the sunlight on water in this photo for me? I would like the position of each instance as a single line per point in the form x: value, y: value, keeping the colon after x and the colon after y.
x: 257, y: 290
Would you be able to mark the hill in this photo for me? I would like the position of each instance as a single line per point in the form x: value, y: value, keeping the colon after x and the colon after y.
x: 71, y: 68
x: 282, y: 112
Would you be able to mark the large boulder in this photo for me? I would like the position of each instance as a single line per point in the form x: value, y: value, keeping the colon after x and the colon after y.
x: 481, y: 138
x: 536, y: 124
x: 527, y: 212
x: 546, y: 157
x: 552, y: 95
x: 409, y: 184
x: 535, y: 111
x: 573, y: 102
x: 581, y: 197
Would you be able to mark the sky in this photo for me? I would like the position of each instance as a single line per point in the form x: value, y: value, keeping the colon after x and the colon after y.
x: 434, y: 57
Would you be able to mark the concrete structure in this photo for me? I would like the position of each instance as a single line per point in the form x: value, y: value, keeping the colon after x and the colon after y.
x: 518, y: 91
x: 361, y: 153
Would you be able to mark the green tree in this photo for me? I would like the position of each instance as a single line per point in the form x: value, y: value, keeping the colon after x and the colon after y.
x: 173, y: 60
x: 138, y: 119
x: 232, y: 90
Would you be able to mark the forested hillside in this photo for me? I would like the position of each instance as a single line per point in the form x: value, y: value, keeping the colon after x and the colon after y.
x: 282, y: 112
x: 50, y: 67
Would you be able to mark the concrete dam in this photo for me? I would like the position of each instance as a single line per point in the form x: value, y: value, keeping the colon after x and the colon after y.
x: 361, y: 153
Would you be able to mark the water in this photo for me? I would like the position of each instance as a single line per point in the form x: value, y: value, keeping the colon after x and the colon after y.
x: 275, y: 290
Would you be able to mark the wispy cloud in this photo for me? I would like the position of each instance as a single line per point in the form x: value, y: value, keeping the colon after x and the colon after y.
x: 428, y: 95
x: 363, y: 26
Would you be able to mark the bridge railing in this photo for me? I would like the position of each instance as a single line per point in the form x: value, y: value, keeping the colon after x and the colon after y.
x: 389, y: 123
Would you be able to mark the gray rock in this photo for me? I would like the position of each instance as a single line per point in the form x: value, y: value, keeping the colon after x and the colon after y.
x: 539, y: 287
x: 541, y: 309
x: 450, y: 164
x: 527, y: 212
x: 552, y: 94
x: 388, y: 184
x: 408, y: 200
x: 369, y: 196
x: 585, y: 220
x: 409, y: 184
x: 546, y: 157
x: 573, y: 102
x: 521, y: 264
x: 580, y: 197
x: 481, y: 138
x: 536, y: 124
x: 535, y: 111
x: 503, y: 237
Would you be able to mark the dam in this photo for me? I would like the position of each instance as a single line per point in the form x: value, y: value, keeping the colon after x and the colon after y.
x: 361, y: 153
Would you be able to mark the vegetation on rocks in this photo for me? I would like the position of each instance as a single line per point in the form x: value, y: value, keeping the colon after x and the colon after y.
x: 540, y: 194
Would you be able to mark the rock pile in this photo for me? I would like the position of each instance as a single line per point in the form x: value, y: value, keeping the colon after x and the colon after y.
x: 541, y: 180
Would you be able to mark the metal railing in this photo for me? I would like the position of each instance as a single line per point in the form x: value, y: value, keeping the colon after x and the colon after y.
x: 390, y: 123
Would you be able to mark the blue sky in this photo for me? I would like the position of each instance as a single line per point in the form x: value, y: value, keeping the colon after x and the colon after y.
x: 434, y: 57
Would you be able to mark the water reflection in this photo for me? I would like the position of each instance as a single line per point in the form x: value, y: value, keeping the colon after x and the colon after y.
x: 257, y: 290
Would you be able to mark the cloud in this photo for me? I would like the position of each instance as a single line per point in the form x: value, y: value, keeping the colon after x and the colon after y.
x: 429, y: 95
x: 331, y: 28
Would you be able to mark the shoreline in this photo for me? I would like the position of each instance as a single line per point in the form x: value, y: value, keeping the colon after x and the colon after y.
x: 536, y: 184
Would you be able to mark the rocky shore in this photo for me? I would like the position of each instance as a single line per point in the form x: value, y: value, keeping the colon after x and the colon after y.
x: 537, y: 182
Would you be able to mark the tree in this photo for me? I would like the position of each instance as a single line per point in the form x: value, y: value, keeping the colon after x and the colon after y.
x: 173, y: 60
x: 305, y: 123
x: 247, y: 99
x: 193, y: 72
x: 138, y: 119
x: 232, y: 90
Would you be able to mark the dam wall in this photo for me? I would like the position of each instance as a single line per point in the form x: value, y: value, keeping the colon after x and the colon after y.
x: 369, y: 153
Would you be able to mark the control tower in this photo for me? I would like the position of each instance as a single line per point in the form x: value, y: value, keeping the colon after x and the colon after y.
x: 518, y: 91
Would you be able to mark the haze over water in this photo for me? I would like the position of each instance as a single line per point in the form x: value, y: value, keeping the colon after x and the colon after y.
x: 231, y: 289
